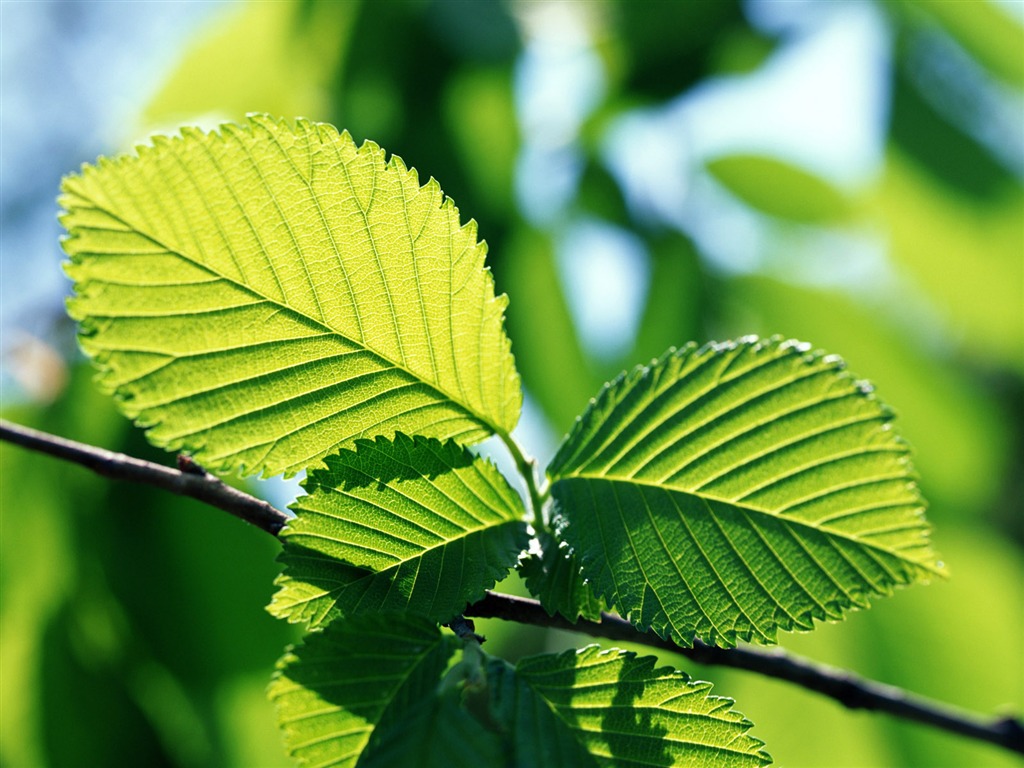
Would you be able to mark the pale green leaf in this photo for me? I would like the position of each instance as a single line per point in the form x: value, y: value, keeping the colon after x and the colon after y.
x: 274, y: 57
x: 339, y: 692
x: 611, y: 708
x: 552, y: 573
x: 410, y: 524
x: 265, y: 294
x: 780, y: 189
x: 732, y: 491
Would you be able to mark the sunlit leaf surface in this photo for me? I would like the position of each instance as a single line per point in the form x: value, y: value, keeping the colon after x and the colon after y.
x: 735, y: 490
x: 265, y: 294
x: 411, y: 524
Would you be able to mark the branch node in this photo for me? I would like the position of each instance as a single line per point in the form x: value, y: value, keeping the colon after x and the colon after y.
x: 189, y: 466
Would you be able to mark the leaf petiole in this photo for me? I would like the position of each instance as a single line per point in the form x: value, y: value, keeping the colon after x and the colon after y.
x: 528, y: 470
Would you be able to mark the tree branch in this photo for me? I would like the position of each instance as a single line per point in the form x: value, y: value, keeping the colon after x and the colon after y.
x: 844, y: 687
x: 189, y: 480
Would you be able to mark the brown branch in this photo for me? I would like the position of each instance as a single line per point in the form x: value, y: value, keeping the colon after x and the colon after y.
x: 190, y: 480
x: 844, y: 687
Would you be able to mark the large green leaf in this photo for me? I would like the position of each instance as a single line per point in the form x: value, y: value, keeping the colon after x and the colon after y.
x: 738, y: 489
x: 265, y: 294
x: 610, y: 708
x: 409, y: 524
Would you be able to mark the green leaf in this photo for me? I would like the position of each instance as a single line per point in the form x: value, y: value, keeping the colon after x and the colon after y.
x: 480, y: 115
x: 611, y: 708
x: 546, y: 335
x: 780, y: 189
x: 274, y: 57
x: 732, y: 491
x: 343, y: 688
x: 266, y: 294
x: 410, y: 524
x: 965, y: 258
x: 986, y: 31
x: 436, y: 732
x: 553, y: 576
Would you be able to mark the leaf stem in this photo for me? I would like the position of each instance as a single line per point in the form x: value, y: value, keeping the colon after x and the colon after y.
x: 528, y: 470
x: 848, y: 689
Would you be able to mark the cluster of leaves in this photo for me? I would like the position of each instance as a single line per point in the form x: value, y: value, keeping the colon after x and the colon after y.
x: 271, y: 298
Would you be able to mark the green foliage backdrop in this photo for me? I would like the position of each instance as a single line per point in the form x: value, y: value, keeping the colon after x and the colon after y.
x: 133, y: 628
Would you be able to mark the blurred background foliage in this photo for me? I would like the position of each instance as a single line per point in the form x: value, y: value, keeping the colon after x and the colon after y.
x: 645, y: 173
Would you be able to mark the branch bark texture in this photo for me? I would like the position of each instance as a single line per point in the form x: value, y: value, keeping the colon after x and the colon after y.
x: 844, y: 687
x: 188, y: 480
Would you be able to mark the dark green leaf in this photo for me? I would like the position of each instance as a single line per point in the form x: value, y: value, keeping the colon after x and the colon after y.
x: 336, y: 689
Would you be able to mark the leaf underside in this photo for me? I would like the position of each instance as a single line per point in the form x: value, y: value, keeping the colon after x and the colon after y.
x: 729, y: 492
x: 405, y: 524
x: 368, y: 692
x: 265, y: 294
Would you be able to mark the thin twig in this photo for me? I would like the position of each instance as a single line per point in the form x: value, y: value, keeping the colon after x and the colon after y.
x: 194, y: 481
x: 848, y: 689
x: 844, y: 687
